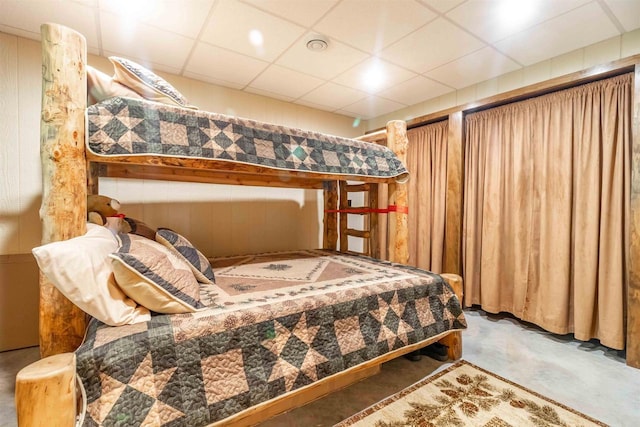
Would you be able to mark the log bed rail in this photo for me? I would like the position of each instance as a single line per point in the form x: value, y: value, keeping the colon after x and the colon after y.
x: 45, y: 394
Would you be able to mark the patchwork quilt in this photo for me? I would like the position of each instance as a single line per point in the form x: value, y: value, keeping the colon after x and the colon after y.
x: 274, y: 323
x: 129, y: 127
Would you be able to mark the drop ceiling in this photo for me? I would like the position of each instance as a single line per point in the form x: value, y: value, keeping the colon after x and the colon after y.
x: 410, y: 50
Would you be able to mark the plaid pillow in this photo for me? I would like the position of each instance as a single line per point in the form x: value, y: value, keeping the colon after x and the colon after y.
x: 154, y: 277
x: 184, y: 249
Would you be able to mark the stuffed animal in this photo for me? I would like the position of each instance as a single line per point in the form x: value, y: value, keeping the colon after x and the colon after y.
x: 103, y: 210
x: 101, y: 207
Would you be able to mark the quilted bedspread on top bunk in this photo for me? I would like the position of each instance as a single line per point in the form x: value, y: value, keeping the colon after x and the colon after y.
x: 130, y: 127
x: 275, y: 322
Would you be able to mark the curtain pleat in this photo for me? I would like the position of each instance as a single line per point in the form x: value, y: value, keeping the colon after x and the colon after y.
x: 546, y: 208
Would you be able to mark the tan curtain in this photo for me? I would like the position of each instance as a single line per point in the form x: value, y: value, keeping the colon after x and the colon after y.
x: 427, y: 165
x: 546, y: 209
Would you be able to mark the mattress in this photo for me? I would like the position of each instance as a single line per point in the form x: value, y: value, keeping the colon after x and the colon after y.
x: 134, y: 127
x: 274, y: 323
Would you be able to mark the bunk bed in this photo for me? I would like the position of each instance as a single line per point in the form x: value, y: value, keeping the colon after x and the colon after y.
x: 336, y: 329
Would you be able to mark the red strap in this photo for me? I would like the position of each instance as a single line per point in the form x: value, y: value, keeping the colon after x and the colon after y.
x: 391, y: 208
x: 399, y: 209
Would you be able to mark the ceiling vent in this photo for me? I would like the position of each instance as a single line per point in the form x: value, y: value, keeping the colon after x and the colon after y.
x: 317, y: 43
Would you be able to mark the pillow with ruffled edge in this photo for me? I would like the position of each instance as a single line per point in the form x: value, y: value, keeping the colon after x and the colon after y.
x: 154, y: 277
x: 146, y: 83
x: 80, y: 269
x: 101, y: 86
x: 184, y: 249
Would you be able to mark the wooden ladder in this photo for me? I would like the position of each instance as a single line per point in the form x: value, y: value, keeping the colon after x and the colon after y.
x: 369, y: 236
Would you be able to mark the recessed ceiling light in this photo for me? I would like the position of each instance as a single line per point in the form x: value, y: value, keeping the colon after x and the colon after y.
x: 516, y: 14
x: 256, y: 38
x: 317, y: 43
x: 374, y: 76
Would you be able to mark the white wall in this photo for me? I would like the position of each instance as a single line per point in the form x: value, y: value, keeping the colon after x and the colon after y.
x: 606, y: 51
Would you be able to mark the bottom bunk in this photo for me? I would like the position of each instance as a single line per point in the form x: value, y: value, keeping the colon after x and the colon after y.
x: 279, y: 330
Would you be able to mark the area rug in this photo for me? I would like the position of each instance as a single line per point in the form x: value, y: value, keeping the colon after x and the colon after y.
x: 467, y: 395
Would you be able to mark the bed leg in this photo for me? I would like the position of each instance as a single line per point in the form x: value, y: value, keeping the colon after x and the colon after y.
x: 46, y: 392
x: 454, y: 339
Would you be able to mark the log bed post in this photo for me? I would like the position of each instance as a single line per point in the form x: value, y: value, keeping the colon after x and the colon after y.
x: 343, y: 203
x: 46, y: 392
x: 373, y: 246
x: 454, y: 340
x: 64, y: 176
x: 398, y: 247
x: 330, y: 237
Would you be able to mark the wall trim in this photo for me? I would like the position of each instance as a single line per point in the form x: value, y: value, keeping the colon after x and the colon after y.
x: 16, y: 258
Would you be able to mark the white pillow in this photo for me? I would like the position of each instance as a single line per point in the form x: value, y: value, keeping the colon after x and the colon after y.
x: 101, y: 86
x: 81, y: 270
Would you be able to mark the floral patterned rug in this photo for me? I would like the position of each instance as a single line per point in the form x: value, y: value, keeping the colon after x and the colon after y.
x: 467, y: 395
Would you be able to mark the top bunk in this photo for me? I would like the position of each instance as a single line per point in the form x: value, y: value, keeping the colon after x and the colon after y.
x: 144, y: 128
x: 140, y: 138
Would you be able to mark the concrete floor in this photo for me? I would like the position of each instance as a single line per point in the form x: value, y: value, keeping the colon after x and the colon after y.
x: 586, y: 376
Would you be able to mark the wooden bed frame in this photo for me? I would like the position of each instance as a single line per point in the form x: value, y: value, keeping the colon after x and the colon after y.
x: 46, y: 390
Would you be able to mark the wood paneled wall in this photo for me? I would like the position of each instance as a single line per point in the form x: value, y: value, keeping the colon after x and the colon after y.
x: 19, y: 292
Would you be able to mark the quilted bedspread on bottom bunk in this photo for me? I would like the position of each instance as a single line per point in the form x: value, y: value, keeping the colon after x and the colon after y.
x: 274, y: 323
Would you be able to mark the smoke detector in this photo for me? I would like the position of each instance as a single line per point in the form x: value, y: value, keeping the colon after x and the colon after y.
x: 317, y: 43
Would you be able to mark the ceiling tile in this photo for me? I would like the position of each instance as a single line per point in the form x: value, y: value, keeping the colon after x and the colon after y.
x: 304, y: 13
x: 285, y: 82
x: 143, y: 42
x: 27, y: 16
x: 168, y: 15
x: 573, y: 30
x: 627, y: 12
x: 476, y: 67
x: 374, y: 75
x: 335, y: 59
x: 213, y: 62
x: 493, y: 20
x: 370, y: 107
x: 443, y: 5
x: 373, y: 25
x: 415, y: 90
x: 431, y: 46
x: 334, y: 96
x: 409, y: 37
x: 233, y: 23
